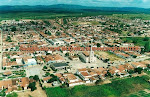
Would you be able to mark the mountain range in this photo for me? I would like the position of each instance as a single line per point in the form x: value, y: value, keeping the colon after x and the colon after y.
x: 62, y: 8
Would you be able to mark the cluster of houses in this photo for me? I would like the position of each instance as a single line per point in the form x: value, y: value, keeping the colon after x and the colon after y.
x: 10, y: 85
x: 91, y: 75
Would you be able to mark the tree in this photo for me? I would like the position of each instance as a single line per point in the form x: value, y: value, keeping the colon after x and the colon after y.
x: 147, y: 46
x: 36, y: 77
x: 8, y: 39
x: 30, y: 77
x: 47, y: 74
x: 138, y: 70
x: 58, y: 33
x: 131, y: 71
x: 32, y: 86
x: 4, y: 68
x: 108, y: 74
x: 148, y: 65
x: 98, y: 81
x: 98, y: 45
x: 47, y: 32
x: 67, y: 54
x: 2, y: 93
x: 12, y: 95
x: 54, y: 78
x: 54, y: 27
x: 134, y: 56
x: 13, y: 29
x: 146, y: 39
x: 47, y: 22
x: 45, y: 67
x: 134, y: 41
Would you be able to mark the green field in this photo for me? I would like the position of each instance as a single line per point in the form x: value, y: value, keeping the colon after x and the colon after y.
x: 133, y: 16
x: 139, y: 41
x: 51, y: 15
x: 46, y: 15
x: 140, y: 94
x: 118, y: 88
x: 33, y: 15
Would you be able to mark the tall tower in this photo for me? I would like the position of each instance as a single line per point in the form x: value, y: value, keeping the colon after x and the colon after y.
x: 91, y: 57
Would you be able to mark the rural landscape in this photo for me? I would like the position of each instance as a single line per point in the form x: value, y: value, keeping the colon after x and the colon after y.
x: 42, y: 50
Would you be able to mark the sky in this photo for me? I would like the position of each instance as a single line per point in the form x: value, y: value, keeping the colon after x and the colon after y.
x: 99, y: 3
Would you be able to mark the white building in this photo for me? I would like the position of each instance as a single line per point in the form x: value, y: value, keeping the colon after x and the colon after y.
x: 56, y: 42
x: 88, y: 56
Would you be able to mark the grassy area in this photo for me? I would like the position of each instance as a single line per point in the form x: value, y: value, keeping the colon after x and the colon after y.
x: 147, y: 72
x: 139, y: 41
x: 94, y: 23
x: 117, y: 88
x: 46, y: 15
x: 140, y: 94
x: 111, y: 56
x: 133, y: 16
x: 75, y: 23
x: 34, y: 15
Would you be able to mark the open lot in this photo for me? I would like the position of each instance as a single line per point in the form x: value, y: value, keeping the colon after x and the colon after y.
x: 37, y: 93
x: 112, y: 57
x: 36, y: 70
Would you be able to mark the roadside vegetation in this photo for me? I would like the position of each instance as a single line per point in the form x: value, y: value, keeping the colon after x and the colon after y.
x: 117, y: 88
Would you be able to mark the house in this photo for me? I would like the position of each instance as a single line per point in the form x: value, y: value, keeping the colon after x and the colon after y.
x: 146, y: 62
x: 122, y: 55
x: 55, y: 58
x: 122, y: 70
x: 88, y: 75
x: 7, y: 73
x: 138, y: 64
x: 45, y: 79
x: 61, y: 78
x: 39, y: 60
x: 69, y: 78
x: 101, y: 72
x: 69, y: 41
x: 83, y: 73
x: 113, y: 70
x: 13, y: 84
x: 128, y: 66
x: 72, y: 80
x: 74, y: 58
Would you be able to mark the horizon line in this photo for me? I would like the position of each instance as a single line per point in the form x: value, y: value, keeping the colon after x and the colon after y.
x: 82, y: 5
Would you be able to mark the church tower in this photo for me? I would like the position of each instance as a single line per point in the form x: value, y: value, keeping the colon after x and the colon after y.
x: 91, y: 57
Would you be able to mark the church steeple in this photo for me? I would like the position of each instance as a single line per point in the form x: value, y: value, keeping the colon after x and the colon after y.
x: 91, y: 55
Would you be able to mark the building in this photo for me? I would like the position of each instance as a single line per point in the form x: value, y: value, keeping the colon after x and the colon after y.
x: 56, y: 42
x: 60, y: 66
x: 87, y: 75
x: 55, y: 58
x: 72, y: 80
x: 88, y: 56
x: 31, y: 62
x: 14, y: 84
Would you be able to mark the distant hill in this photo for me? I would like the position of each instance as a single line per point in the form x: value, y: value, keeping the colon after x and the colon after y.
x: 64, y: 8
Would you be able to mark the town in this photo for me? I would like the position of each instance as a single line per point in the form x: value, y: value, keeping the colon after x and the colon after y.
x: 23, y: 71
